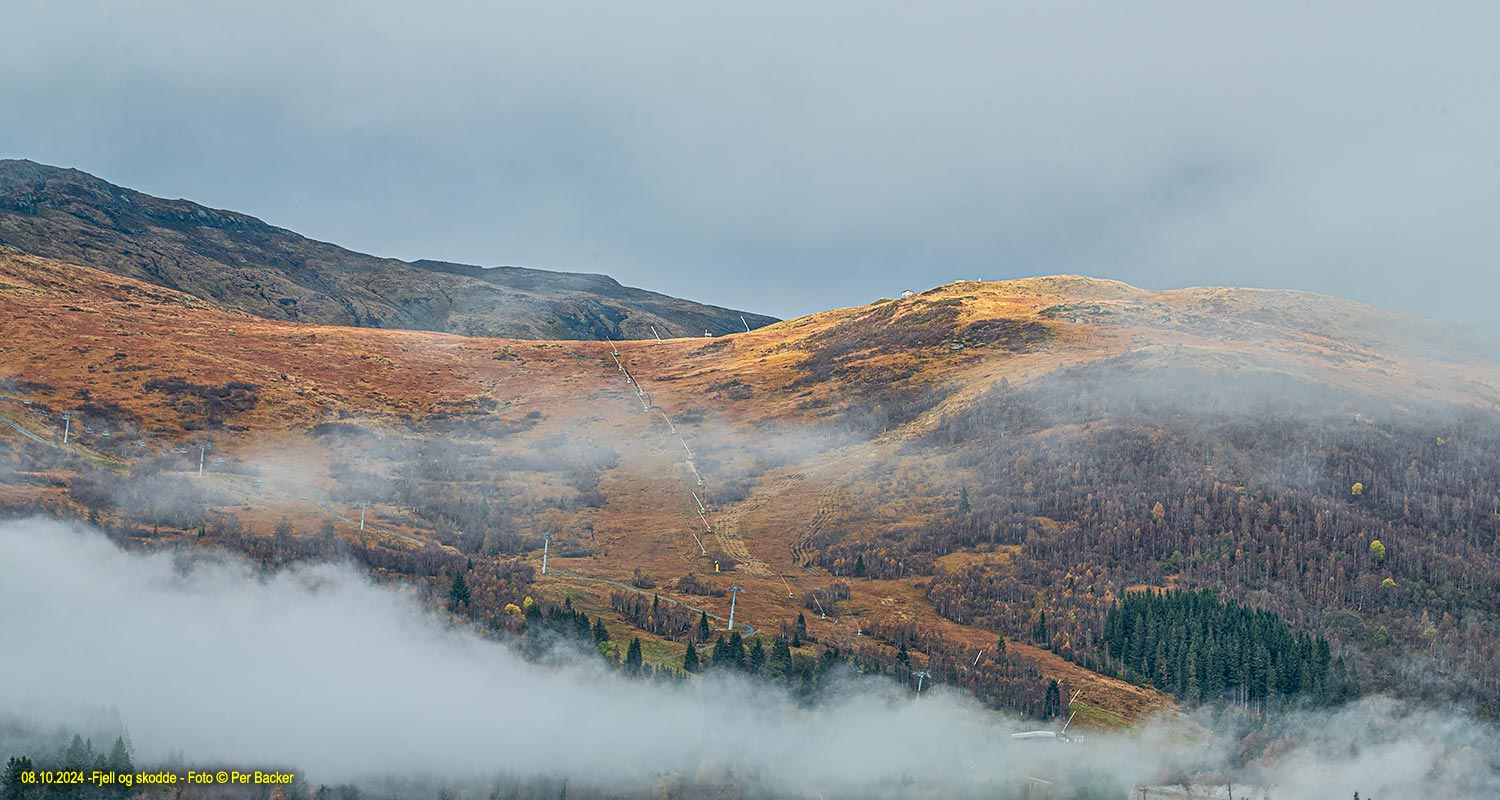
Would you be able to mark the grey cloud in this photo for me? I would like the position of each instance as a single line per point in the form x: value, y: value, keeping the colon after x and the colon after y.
x: 790, y: 158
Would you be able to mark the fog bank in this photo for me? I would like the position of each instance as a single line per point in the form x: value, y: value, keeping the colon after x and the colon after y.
x: 320, y: 668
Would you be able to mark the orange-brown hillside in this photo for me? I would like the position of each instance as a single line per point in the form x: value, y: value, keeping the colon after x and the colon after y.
x: 796, y: 430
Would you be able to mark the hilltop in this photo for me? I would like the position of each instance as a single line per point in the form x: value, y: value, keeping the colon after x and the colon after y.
x: 979, y: 460
x: 241, y: 262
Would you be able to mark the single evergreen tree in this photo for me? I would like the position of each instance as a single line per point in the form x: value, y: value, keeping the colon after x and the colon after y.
x: 735, y: 650
x: 633, y: 658
x: 601, y: 635
x: 801, y: 628
x: 779, y: 664
x: 703, y: 629
x: 859, y: 565
x: 119, y: 762
x: 963, y: 499
x: 755, y: 657
x: 458, y: 593
x: 690, y: 658
x: 120, y: 756
x: 903, y: 656
x: 79, y: 754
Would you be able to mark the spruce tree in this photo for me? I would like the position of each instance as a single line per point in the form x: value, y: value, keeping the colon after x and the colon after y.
x: 703, y: 630
x: 735, y: 650
x: 903, y: 656
x: 828, y: 660
x: 755, y: 657
x: 79, y: 753
x: 119, y: 762
x: 458, y: 593
x: 859, y: 565
x: 633, y: 658
x: 601, y: 635
x: 690, y: 658
x: 119, y: 756
x: 1052, y: 704
x: 11, y: 785
x: 779, y: 664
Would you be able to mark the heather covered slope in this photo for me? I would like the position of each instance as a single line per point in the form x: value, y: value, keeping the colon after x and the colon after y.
x: 241, y: 262
x: 927, y: 474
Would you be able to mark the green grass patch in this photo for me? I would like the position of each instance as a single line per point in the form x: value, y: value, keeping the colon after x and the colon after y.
x: 1095, y: 717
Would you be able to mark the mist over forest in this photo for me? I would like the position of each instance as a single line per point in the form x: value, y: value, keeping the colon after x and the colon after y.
x: 166, y: 647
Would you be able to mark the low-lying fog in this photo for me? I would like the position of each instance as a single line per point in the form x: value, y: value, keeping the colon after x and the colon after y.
x: 319, y: 668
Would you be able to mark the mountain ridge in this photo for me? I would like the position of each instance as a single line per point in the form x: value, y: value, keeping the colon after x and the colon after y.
x: 243, y: 262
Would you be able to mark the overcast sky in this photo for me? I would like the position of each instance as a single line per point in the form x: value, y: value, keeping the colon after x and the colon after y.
x: 787, y: 158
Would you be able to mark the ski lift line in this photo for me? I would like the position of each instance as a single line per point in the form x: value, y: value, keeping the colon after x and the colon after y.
x: 1074, y: 711
x: 646, y: 406
x: 819, y: 603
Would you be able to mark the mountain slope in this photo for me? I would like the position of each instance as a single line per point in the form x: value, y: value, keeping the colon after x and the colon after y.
x: 241, y: 262
x: 981, y: 459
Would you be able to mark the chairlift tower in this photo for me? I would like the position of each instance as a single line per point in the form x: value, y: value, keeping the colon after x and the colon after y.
x: 546, y: 544
x: 202, y: 455
x: 734, y: 594
x: 921, y: 674
x: 362, y: 506
x: 67, y: 425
